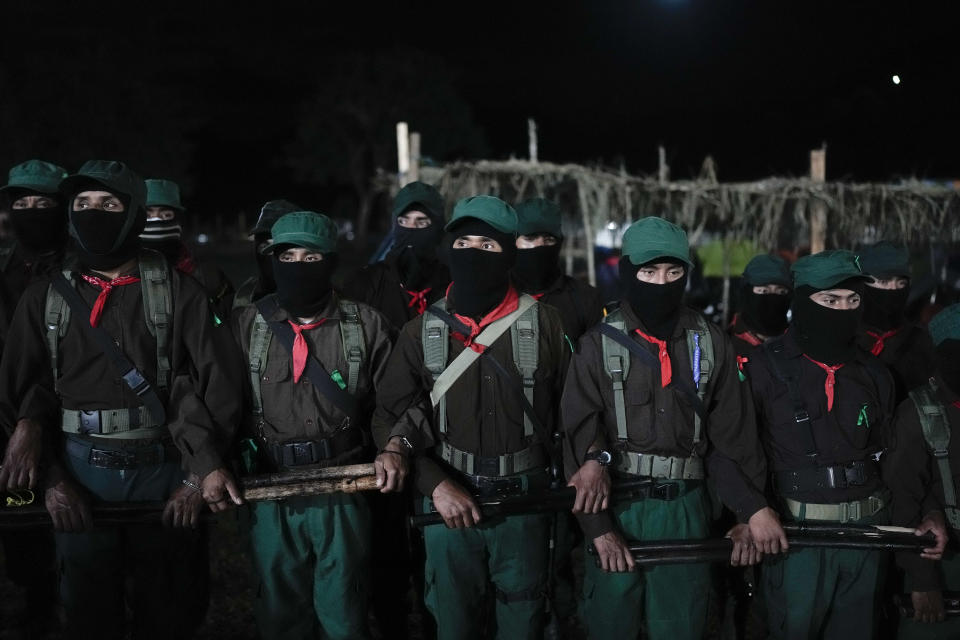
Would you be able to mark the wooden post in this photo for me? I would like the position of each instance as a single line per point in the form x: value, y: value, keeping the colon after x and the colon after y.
x: 532, y: 139
x: 818, y: 210
x: 403, y: 153
x: 414, y: 156
x: 726, y: 280
x: 663, y: 170
x: 587, y: 235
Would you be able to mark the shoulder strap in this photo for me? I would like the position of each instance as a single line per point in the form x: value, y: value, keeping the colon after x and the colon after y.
x: 434, y: 336
x: 244, y: 294
x: 787, y: 371
x: 488, y: 336
x: 259, y: 348
x: 56, y: 318
x: 130, y: 374
x: 318, y: 376
x: 525, y: 339
x: 157, y: 308
x: 700, y: 348
x: 616, y: 360
x: 354, y: 348
x: 936, y: 432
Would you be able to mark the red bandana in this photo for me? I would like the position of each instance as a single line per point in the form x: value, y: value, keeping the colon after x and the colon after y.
x: 831, y: 379
x: 877, y: 347
x: 666, y: 369
x: 507, y: 306
x: 105, y: 289
x: 537, y: 296
x: 749, y: 338
x: 300, y: 349
x: 418, y: 298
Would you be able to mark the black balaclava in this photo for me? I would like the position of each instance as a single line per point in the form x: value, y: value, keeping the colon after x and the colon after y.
x: 947, y: 359
x: 538, y: 267
x: 416, y: 249
x: 164, y: 236
x: 303, y: 288
x: 267, y: 283
x: 884, y: 308
x: 38, y: 230
x: 656, y: 305
x: 101, y: 243
x: 826, y: 335
x: 480, y: 278
x: 765, y: 313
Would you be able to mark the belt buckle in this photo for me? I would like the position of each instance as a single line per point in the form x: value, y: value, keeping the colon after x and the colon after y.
x: 489, y: 467
x: 665, y: 491
x: 90, y: 422
x: 303, y: 452
x: 855, y: 474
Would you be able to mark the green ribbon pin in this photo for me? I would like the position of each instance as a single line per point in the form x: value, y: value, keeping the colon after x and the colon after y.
x: 862, y: 419
x: 336, y: 377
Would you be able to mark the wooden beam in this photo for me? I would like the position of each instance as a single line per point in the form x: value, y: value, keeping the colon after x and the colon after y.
x: 532, y: 139
x: 403, y: 153
x: 414, y: 173
x: 818, y: 210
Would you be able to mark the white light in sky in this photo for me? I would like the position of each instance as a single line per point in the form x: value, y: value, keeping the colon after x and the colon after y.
x: 896, y: 79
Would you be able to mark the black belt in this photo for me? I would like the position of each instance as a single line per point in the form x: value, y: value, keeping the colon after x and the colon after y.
x: 302, y: 452
x: 839, y: 476
x: 121, y: 458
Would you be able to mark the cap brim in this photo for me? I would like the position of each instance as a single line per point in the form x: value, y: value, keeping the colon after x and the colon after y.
x: 298, y: 240
x: 831, y: 282
x: 39, y: 188
x: 453, y: 224
x: 643, y: 257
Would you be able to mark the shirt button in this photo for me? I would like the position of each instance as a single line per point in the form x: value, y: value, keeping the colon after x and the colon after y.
x: 487, y: 378
x: 489, y: 413
x: 309, y: 421
x: 661, y: 411
x: 266, y: 378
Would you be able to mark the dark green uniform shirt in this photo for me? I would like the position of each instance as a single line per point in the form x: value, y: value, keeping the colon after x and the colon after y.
x: 911, y: 472
x: 660, y: 421
x: 579, y: 304
x: 22, y: 269
x: 854, y: 430
x: 301, y: 411
x: 381, y: 286
x: 484, y: 414
x: 203, y: 406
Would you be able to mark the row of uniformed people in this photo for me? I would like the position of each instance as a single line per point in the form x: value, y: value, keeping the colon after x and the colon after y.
x: 449, y: 402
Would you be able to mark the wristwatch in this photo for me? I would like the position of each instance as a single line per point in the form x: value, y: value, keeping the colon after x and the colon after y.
x: 601, y: 456
x: 406, y: 443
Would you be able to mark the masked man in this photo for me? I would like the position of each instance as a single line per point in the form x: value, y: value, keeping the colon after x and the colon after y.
x: 117, y: 372
x: 764, y: 302
x: 262, y: 284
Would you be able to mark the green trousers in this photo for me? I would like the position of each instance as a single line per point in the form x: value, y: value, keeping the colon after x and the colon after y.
x: 949, y: 629
x: 673, y: 598
x: 312, y: 555
x: 511, y: 553
x: 167, y: 569
x: 821, y: 593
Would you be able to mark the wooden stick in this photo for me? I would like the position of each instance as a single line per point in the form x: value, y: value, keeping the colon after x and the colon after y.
x: 308, y: 475
x: 311, y: 488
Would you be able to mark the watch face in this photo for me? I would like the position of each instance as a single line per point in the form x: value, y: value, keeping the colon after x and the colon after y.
x: 604, y: 458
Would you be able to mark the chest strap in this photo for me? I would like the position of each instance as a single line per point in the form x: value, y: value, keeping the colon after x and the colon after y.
x: 532, y: 457
x: 660, y: 467
x: 841, y: 512
x: 839, y: 476
x: 936, y: 432
x: 108, y: 422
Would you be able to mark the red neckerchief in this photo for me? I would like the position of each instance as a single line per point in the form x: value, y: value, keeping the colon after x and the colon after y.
x: 507, y: 306
x: 878, y: 346
x: 185, y: 262
x: 105, y: 289
x: 742, y: 360
x: 956, y: 403
x: 300, y: 349
x: 831, y: 379
x: 537, y: 296
x: 749, y: 338
x: 666, y: 369
x: 418, y: 298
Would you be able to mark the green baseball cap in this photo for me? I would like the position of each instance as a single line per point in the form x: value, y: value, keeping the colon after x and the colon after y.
x: 945, y: 325
x: 826, y: 269
x: 884, y: 260
x: 163, y: 193
x: 419, y: 193
x: 35, y: 175
x: 492, y: 210
x: 306, y: 229
x: 651, y: 238
x: 767, y: 269
x: 539, y: 215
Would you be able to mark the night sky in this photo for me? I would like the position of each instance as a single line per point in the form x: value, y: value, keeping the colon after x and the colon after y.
x: 298, y: 98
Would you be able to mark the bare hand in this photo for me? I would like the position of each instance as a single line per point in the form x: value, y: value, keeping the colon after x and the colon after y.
x: 927, y: 606
x: 745, y: 552
x: 613, y: 553
x: 768, y: 536
x: 934, y: 522
x: 21, y: 460
x: 457, y: 507
x: 68, y: 507
x: 219, y: 488
x: 593, y: 488
x: 392, y: 467
x: 183, y: 508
